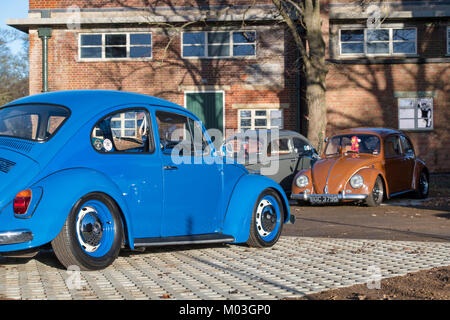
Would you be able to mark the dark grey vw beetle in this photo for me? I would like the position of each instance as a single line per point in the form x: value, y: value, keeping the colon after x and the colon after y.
x: 259, y: 149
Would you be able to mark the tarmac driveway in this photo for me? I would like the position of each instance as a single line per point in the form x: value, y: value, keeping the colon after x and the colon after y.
x: 398, y: 219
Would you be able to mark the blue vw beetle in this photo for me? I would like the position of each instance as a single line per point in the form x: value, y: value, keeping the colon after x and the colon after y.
x: 93, y: 171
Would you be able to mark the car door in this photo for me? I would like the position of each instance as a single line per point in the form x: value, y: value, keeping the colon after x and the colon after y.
x: 304, y: 152
x: 409, y: 159
x: 394, y: 164
x: 192, y: 180
x: 125, y: 145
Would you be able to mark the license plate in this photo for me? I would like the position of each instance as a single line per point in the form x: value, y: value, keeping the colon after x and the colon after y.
x: 324, y: 199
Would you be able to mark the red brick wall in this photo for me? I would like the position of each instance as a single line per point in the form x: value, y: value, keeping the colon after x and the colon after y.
x: 363, y: 94
x: 164, y: 74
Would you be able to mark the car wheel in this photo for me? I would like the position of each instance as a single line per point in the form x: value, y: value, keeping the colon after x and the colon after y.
x: 376, y: 196
x: 92, y: 235
x: 267, y: 220
x: 423, y: 186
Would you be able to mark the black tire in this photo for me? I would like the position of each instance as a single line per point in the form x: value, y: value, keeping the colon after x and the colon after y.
x: 274, y: 229
x: 375, y: 197
x: 68, y: 246
x: 423, y: 186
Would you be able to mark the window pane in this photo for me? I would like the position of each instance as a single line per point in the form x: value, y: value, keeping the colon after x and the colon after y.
x: 260, y: 113
x: 406, y: 113
x: 130, y: 124
x: 260, y: 122
x: 91, y: 52
x: 130, y: 133
x: 244, y: 50
x: 116, y: 52
x: 378, y: 35
x: 275, y: 122
x: 218, y: 51
x: 246, y: 122
x: 218, y: 37
x: 122, y: 135
x: 352, y: 35
x: 193, y: 51
x: 406, y: 124
x: 115, y: 39
x: 404, y: 34
x: 276, y: 114
x: 141, y: 38
x: 116, y: 124
x: 246, y: 113
x: 91, y: 39
x: 25, y: 120
x: 377, y: 47
x: 404, y: 47
x: 244, y: 37
x: 194, y: 38
x: 140, y: 52
x: 173, y: 129
x: 352, y: 47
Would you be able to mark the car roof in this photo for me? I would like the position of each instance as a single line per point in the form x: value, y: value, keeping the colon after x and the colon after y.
x: 382, y: 132
x: 281, y: 133
x: 88, y: 103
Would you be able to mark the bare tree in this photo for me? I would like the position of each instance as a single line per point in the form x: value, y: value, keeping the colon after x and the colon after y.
x: 13, y: 67
x: 303, y: 19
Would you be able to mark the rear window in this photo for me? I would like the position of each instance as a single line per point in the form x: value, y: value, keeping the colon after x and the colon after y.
x: 32, y: 122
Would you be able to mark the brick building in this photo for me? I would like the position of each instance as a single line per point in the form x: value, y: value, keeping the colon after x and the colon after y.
x: 236, y: 66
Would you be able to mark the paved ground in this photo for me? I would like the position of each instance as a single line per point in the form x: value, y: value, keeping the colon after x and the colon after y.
x: 323, y: 250
x: 294, y: 267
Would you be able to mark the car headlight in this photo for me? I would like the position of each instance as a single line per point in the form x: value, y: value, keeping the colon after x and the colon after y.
x: 302, y: 181
x: 356, y: 181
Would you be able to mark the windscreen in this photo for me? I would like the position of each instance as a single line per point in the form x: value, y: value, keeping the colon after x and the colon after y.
x: 355, y: 143
x: 32, y: 122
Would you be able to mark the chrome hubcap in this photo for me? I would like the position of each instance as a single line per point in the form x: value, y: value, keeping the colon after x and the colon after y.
x: 266, y: 218
x: 89, y: 229
x: 423, y: 183
x: 377, y: 192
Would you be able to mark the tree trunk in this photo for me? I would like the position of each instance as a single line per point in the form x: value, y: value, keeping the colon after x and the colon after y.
x: 315, y: 74
x: 317, y: 114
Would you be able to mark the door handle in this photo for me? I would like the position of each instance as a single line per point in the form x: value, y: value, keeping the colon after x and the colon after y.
x: 170, y: 168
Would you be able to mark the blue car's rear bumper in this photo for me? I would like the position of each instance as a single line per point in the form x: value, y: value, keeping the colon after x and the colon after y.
x: 15, y: 237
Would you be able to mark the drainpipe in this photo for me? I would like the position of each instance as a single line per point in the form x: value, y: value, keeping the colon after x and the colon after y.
x: 45, y: 34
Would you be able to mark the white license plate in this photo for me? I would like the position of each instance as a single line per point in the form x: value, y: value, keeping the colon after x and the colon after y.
x: 324, y: 199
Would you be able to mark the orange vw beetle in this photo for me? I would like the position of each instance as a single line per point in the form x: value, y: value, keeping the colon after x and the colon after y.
x: 366, y: 165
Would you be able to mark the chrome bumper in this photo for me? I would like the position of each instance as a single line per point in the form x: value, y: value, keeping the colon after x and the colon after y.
x: 341, y: 196
x: 16, y: 236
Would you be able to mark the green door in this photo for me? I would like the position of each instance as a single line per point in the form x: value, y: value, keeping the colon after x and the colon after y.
x: 208, y: 106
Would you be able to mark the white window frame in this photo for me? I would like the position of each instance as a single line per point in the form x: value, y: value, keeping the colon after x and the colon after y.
x: 122, y: 119
x: 253, y: 117
x: 104, y: 46
x: 365, y: 41
x: 231, y: 44
x: 416, y: 117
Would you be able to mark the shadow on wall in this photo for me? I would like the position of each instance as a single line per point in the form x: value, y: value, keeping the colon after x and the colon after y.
x: 364, y: 95
x: 168, y: 70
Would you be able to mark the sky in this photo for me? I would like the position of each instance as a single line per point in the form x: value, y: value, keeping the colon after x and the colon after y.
x: 12, y: 9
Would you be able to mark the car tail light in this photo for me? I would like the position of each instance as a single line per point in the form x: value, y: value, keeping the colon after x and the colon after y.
x: 22, y: 201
